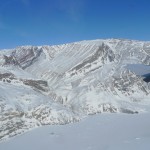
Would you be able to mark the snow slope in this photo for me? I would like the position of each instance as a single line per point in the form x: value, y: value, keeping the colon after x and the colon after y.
x: 99, y: 132
x: 60, y: 84
x: 139, y: 69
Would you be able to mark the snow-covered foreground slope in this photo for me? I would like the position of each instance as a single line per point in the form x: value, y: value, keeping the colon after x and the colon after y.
x: 99, y: 132
x: 41, y: 85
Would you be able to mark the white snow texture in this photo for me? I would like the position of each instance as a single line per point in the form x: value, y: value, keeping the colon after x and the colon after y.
x: 47, y: 85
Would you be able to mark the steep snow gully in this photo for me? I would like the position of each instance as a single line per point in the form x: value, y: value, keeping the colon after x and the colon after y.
x: 42, y: 85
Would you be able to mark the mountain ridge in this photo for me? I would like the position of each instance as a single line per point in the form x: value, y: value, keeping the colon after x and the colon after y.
x: 64, y: 83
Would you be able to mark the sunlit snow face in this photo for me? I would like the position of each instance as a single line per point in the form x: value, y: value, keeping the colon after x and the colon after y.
x: 2, y: 61
x: 139, y: 69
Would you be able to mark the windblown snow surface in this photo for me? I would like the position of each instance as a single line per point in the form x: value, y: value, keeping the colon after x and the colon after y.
x: 98, y: 132
x: 61, y: 84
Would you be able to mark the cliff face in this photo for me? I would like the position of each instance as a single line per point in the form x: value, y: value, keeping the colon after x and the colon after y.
x: 60, y: 84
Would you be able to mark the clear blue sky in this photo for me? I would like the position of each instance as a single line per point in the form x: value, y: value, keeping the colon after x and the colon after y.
x: 48, y: 22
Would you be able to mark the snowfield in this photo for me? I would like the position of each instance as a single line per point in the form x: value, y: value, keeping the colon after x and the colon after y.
x: 61, y: 84
x: 98, y: 132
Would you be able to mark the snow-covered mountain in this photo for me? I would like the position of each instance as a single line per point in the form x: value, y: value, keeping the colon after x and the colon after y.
x: 59, y: 84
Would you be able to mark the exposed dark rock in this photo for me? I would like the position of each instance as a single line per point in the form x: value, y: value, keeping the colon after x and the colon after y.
x: 147, y: 79
x: 10, y: 60
x: 128, y: 111
x: 38, y: 84
x: 26, y: 56
x: 103, y: 52
x: 6, y: 75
